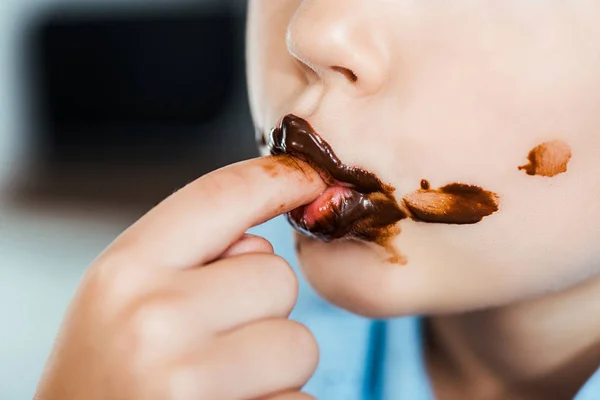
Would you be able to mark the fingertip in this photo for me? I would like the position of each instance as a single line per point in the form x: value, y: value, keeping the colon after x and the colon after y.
x: 249, y: 244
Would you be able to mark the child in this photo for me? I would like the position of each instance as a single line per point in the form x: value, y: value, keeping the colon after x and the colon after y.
x: 475, y: 122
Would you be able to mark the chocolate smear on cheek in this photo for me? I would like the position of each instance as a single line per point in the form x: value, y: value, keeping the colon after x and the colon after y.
x: 364, y: 208
x: 455, y: 203
x: 548, y: 159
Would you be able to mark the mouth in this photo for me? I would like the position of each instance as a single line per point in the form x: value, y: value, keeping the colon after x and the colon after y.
x: 356, y: 203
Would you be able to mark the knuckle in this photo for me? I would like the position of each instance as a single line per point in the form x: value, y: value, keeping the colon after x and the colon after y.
x: 301, y: 339
x: 281, y: 272
x: 261, y: 244
x: 149, y: 326
x: 283, y: 279
x: 115, y: 277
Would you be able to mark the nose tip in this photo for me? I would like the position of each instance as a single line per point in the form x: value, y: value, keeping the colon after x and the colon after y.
x: 340, y: 44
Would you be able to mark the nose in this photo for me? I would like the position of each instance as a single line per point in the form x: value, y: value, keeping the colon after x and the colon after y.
x: 341, y: 43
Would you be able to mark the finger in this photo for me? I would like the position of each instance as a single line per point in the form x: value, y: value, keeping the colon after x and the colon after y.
x: 289, y: 396
x: 262, y: 358
x: 248, y: 244
x: 199, y: 222
x: 237, y: 290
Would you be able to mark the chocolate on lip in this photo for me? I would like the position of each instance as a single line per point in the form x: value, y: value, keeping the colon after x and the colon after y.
x: 296, y: 137
x: 364, y: 207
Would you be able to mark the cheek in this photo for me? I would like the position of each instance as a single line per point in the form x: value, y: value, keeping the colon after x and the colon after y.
x: 544, y: 237
x: 354, y: 277
x: 556, y: 221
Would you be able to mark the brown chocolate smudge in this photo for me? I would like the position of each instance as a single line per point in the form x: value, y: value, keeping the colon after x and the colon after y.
x: 455, y: 203
x: 272, y: 169
x: 275, y: 165
x: 368, y: 210
x: 548, y: 159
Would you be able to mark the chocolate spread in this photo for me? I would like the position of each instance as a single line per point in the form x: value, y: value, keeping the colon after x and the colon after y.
x: 455, y: 203
x: 368, y: 210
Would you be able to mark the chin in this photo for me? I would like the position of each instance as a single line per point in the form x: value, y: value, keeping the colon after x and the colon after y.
x: 358, y: 277
x: 449, y: 270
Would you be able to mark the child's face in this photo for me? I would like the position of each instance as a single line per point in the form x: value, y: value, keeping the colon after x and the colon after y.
x: 449, y: 92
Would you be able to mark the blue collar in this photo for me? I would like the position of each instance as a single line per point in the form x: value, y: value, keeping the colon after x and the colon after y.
x: 591, y: 389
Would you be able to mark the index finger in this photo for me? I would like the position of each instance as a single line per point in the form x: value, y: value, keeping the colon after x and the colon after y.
x: 200, y: 221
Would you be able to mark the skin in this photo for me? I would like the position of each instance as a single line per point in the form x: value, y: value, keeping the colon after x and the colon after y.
x: 456, y: 91
x: 444, y: 91
x: 183, y: 303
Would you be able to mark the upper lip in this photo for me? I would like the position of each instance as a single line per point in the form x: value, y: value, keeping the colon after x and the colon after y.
x: 296, y: 137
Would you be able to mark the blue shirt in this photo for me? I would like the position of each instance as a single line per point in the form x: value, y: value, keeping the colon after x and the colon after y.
x: 362, y: 359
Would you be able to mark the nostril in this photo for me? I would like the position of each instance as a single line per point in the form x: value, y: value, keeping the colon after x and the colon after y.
x: 347, y: 73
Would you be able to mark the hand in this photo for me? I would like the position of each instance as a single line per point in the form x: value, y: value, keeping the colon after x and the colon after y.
x: 183, y: 305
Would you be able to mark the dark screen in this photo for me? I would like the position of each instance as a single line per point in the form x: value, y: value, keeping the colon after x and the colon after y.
x: 112, y: 81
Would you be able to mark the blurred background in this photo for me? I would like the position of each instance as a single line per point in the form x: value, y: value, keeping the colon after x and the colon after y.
x: 106, y: 107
